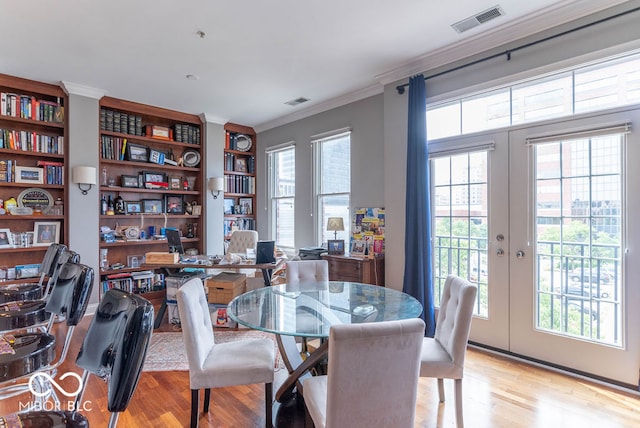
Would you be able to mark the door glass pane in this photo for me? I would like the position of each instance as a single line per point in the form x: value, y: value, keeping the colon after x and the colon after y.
x: 460, y: 222
x: 578, y: 238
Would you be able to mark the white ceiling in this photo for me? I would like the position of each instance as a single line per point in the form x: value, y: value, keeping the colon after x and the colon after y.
x: 256, y: 54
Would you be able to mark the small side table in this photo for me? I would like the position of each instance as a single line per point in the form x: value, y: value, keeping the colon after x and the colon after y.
x: 356, y: 269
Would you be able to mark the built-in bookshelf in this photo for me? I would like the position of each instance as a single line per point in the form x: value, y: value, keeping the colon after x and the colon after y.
x: 239, y: 178
x: 151, y: 178
x: 32, y: 173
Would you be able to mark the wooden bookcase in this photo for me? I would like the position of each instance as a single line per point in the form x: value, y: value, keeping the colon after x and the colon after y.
x: 33, y: 136
x: 240, y: 179
x: 152, y: 133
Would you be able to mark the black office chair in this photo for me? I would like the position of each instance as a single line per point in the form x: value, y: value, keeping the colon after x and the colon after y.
x: 35, y: 351
x: 113, y: 349
x: 34, y: 290
x: 29, y: 314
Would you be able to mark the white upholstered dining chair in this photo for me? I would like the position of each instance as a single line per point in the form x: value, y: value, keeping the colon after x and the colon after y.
x: 300, y: 272
x: 215, y: 365
x: 372, y: 378
x: 443, y: 355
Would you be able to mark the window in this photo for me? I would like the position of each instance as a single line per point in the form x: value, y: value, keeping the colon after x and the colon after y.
x: 332, y: 163
x: 282, y: 192
x: 610, y: 83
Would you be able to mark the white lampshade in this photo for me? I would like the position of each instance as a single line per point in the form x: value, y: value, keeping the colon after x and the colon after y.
x: 216, y: 184
x: 84, y: 175
x: 335, y: 224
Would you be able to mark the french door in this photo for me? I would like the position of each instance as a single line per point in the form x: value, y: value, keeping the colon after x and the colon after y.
x: 550, y: 245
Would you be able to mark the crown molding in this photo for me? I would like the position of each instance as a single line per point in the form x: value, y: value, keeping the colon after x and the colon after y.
x: 71, y: 88
x: 209, y: 118
x: 520, y: 28
x: 322, y: 107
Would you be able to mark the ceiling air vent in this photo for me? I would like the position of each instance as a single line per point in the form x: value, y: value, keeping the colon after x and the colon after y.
x: 297, y: 101
x: 477, y: 19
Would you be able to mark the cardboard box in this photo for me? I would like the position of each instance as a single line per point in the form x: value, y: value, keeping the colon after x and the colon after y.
x: 225, y: 286
x: 162, y: 258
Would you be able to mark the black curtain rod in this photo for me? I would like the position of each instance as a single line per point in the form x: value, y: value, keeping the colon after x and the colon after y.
x: 507, y: 53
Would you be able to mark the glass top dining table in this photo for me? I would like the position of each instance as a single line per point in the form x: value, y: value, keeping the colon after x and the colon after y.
x: 309, y: 309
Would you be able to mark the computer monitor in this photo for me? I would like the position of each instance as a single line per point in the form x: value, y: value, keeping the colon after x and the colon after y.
x: 173, y: 239
x: 264, y: 252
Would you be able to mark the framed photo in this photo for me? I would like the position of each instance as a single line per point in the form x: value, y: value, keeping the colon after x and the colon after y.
x: 45, y: 233
x: 241, y: 165
x: 27, y: 174
x: 6, y: 238
x: 175, y: 182
x: 152, y: 206
x: 153, y: 177
x: 133, y: 207
x: 228, y: 205
x: 335, y: 246
x: 137, y: 153
x: 246, y: 206
x: 129, y: 180
x: 358, y: 248
x: 174, y: 204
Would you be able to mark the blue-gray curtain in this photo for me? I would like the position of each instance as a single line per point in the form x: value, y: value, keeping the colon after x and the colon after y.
x: 418, y: 270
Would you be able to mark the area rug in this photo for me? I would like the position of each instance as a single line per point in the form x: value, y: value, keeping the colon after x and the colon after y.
x: 167, y: 353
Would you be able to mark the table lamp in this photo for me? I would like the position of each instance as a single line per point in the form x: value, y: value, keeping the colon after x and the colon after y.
x: 335, y: 246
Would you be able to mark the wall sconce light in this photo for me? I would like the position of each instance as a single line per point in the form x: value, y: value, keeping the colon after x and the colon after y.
x: 84, y: 176
x: 215, y: 184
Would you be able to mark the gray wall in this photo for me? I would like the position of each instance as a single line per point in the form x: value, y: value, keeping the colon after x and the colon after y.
x: 365, y: 118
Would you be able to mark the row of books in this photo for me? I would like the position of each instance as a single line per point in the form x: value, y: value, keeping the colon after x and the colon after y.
x: 51, y: 172
x: 231, y: 165
x: 185, y: 133
x: 239, y: 184
x: 113, y: 148
x: 125, y: 123
x: 231, y: 225
x: 31, y: 141
x: 28, y: 107
x: 133, y: 282
x: 115, y: 121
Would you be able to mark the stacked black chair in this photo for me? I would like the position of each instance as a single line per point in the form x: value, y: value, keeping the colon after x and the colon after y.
x: 35, y: 351
x: 114, y: 349
x: 25, y: 314
x: 34, y: 290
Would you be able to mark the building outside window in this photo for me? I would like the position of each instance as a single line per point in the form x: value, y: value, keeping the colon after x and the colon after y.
x: 282, y: 192
x: 332, y: 165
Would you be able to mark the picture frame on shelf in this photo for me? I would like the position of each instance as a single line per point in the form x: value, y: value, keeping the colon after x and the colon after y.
x: 175, y: 182
x: 241, y: 165
x: 358, y: 248
x: 152, y: 206
x: 246, y: 206
x: 137, y: 153
x: 174, y: 204
x: 154, y: 180
x: 28, y: 174
x: 46, y: 233
x: 6, y: 238
x: 129, y: 181
x: 228, y: 205
x: 133, y: 207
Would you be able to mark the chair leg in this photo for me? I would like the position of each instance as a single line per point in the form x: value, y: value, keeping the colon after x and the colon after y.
x: 207, y: 398
x: 194, y: 408
x: 458, y: 394
x: 268, y: 405
x: 441, y: 389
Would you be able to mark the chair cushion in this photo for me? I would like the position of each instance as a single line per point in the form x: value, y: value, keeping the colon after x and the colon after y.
x: 235, y: 363
x: 435, y: 361
x: 315, y: 398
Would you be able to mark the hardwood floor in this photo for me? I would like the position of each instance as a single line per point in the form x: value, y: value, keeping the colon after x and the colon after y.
x: 498, y: 392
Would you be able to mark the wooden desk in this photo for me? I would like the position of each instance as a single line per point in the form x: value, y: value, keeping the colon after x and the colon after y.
x: 356, y: 269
